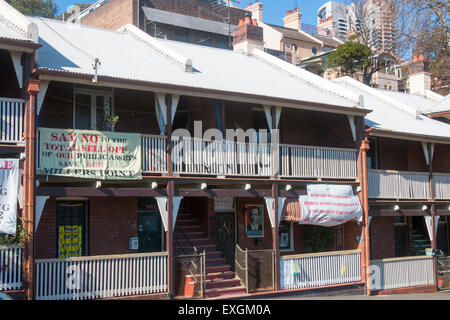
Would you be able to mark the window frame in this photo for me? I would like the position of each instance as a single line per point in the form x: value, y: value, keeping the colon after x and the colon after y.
x: 93, y: 93
x: 291, y: 238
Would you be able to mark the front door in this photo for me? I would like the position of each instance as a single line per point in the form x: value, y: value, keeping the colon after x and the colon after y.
x: 71, y: 228
x: 150, y: 231
x: 225, y: 236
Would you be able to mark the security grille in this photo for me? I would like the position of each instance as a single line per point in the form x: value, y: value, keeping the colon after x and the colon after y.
x: 92, y: 111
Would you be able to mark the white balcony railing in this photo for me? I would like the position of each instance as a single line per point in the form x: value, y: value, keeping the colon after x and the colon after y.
x: 154, y: 156
x: 10, y: 267
x: 320, y: 269
x: 442, y: 186
x: 101, y: 276
x: 390, y: 184
x: 318, y: 162
x: 401, y: 272
x: 227, y: 158
x: 195, y: 156
x: 12, y: 115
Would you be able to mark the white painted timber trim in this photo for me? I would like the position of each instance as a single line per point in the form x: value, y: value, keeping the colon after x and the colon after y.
x: 157, y: 45
x: 306, y: 76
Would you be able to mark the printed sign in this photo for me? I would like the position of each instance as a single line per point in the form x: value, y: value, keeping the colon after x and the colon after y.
x: 90, y: 154
x: 223, y: 203
x: 329, y: 205
x: 255, y: 221
x: 9, y: 179
x: 69, y: 241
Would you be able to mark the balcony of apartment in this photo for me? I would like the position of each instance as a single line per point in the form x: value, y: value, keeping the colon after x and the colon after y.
x: 311, y: 145
x: 12, y: 104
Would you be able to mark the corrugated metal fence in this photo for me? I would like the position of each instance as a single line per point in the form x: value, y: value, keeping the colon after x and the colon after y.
x: 101, y: 276
x: 401, y: 272
x: 10, y: 267
x: 320, y: 269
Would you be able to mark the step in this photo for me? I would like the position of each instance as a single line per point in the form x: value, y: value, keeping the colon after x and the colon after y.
x: 216, y: 269
x: 185, y: 222
x: 190, y: 235
x: 187, y: 228
x: 219, y: 284
x: 422, y: 241
x: 215, y: 262
x: 220, y: 275
x: 222, y: 293
x: 195, y: 242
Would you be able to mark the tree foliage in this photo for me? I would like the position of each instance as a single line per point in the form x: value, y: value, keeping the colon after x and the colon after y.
x: 354, y: 57
x: 425, y: 30
x: 41, y: 8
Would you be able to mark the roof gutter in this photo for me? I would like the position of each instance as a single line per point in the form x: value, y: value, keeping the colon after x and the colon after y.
x: 405, y: 136
x: 64, y: 76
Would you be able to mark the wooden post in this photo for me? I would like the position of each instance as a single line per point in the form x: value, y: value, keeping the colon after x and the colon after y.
x: 275, y: 240
x: 170, y: 194
x: 29, y: 185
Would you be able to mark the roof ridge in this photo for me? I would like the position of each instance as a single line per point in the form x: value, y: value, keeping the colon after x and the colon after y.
x: 157, y: 46
x: 391, y: 101
x: 307, y: 76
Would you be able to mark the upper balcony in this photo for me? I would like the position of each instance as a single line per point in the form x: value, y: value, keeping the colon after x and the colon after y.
x: 12, y: 120
x: 226, y: 158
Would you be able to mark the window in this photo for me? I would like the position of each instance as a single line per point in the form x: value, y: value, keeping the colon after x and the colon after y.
x: 286, y: 235
x: 156, y: 30
x: 92, y: 108
x: 181, y: 35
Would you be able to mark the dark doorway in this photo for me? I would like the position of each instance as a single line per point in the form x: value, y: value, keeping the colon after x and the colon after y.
x: 71, y: 228
x: 442, y: 235
x: 225, y: 235
x: 401, y: 237
x: 150, y: 231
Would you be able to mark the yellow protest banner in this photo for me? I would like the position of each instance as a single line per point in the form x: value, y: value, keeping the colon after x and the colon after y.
x: 69, y: 241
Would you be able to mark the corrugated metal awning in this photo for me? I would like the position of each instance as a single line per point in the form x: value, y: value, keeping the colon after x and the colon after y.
x: 187, y: 22
x: 292, y: 210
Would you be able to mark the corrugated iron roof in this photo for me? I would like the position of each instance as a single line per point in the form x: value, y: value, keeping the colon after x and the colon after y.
x: 388, y: 113
x: 73, y: 48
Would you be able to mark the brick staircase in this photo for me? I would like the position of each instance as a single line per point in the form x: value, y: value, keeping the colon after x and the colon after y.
x: 221, y: 281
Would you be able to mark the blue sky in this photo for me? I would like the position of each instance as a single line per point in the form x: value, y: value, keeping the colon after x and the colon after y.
x: 273, y: 12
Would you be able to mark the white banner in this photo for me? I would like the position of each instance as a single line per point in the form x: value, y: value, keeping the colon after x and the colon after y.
x: 329, y: 205
x: 9, y: 179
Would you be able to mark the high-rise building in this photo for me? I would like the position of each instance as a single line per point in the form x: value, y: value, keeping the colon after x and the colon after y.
x: 374, y: 18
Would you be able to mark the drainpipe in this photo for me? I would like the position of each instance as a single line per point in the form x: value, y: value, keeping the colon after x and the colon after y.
x: 29, y: 187
x: 365, y: 146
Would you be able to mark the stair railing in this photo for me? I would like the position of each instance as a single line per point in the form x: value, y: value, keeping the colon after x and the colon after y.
x: 195, y: 268
x: 241, y: 266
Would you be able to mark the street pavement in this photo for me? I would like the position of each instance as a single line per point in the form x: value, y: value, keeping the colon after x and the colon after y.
x: 442, y: 295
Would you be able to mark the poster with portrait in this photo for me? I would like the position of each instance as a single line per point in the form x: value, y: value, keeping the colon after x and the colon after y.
x: 255, y: 220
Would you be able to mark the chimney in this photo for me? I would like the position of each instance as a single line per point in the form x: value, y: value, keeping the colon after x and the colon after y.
x: 256, y: 10
x: 293, y: 19
x: 419, y: 77
x: 248, y: 35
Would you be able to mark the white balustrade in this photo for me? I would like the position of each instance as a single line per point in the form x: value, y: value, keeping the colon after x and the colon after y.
x: 401, y: 272
x: 320, y: 269
x: 390, y: 184
x: 99, y: 277
x: 317, y: 162
x: 10, y: 267
x: 12, y: 119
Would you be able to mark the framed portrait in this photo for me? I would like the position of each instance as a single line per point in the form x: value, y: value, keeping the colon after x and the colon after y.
x: 255, y: 220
